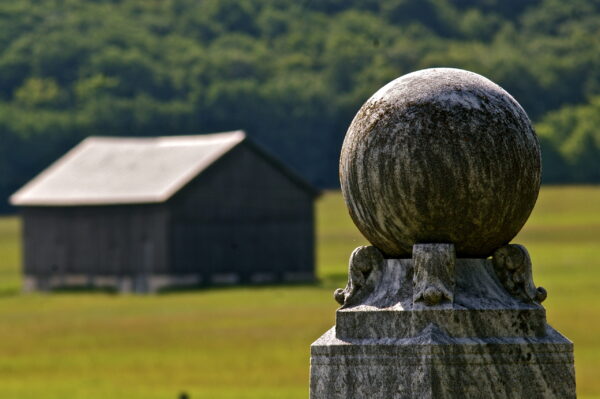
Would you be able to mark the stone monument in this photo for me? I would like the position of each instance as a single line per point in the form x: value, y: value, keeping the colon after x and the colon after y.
x: 440, y: 169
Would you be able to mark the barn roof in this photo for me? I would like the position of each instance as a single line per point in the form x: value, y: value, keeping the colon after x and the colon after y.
x: 118, y: 170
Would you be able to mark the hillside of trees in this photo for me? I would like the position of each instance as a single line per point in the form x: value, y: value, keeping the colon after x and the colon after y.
x: 292, y: 73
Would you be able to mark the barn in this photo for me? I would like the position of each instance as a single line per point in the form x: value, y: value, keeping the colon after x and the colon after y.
x: 141, y: 214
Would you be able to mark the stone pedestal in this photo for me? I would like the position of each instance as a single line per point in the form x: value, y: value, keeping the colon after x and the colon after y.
x: 434, y: 365
x: 486, y: 343
x: 440, y: 169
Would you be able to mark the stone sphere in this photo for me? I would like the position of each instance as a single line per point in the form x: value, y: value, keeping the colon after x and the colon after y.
x: 440, y: 156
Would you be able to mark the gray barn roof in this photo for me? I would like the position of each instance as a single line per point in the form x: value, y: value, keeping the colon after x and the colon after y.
x: 113, y: 170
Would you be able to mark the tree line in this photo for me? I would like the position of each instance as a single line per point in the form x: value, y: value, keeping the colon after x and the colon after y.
x: 292, y: 73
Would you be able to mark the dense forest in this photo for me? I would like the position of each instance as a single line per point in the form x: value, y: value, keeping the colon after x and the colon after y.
x: 292, y: 73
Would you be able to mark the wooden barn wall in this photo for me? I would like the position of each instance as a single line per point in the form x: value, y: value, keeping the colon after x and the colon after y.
x: 95, y: 240
x: 244, y: 216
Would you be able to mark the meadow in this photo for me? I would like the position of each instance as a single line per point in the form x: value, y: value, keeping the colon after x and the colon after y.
x: 253, y: 342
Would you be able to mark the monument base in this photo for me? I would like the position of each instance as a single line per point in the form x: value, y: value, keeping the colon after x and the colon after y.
x: 435, y: 365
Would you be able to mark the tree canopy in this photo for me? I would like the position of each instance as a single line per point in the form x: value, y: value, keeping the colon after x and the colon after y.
x: 290, y: 73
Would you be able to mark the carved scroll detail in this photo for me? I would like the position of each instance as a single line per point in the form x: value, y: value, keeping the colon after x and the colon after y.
x: 363, y: 270
x: 433, y: 278
x: 513, y: 267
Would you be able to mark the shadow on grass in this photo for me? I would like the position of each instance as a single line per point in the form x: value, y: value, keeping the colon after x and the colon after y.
x: 329, y: 281
x: 86, y: 289
x: 9, y: 291
x: 223, y: 287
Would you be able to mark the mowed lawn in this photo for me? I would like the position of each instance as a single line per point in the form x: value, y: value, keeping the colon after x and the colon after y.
x: 254, y: 342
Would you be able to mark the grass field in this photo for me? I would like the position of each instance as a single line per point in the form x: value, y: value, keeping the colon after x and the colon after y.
x: 254, y: 342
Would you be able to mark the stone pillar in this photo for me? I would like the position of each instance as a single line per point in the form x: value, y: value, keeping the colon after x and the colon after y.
x: 440, y: 169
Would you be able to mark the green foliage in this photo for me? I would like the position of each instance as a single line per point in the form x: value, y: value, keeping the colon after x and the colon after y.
x: 291, y: 73
x: 575, y: 132
x: 38, y: 92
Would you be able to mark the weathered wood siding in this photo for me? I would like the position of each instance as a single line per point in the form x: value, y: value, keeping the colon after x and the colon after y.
x: 243, y: 216
x: 95, y: 241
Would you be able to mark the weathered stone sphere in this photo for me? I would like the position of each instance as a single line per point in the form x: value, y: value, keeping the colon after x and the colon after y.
x: 440, y: 156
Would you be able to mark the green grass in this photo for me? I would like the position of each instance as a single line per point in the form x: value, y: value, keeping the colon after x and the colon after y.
x: 254, y: 342
x: 10, y: 255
